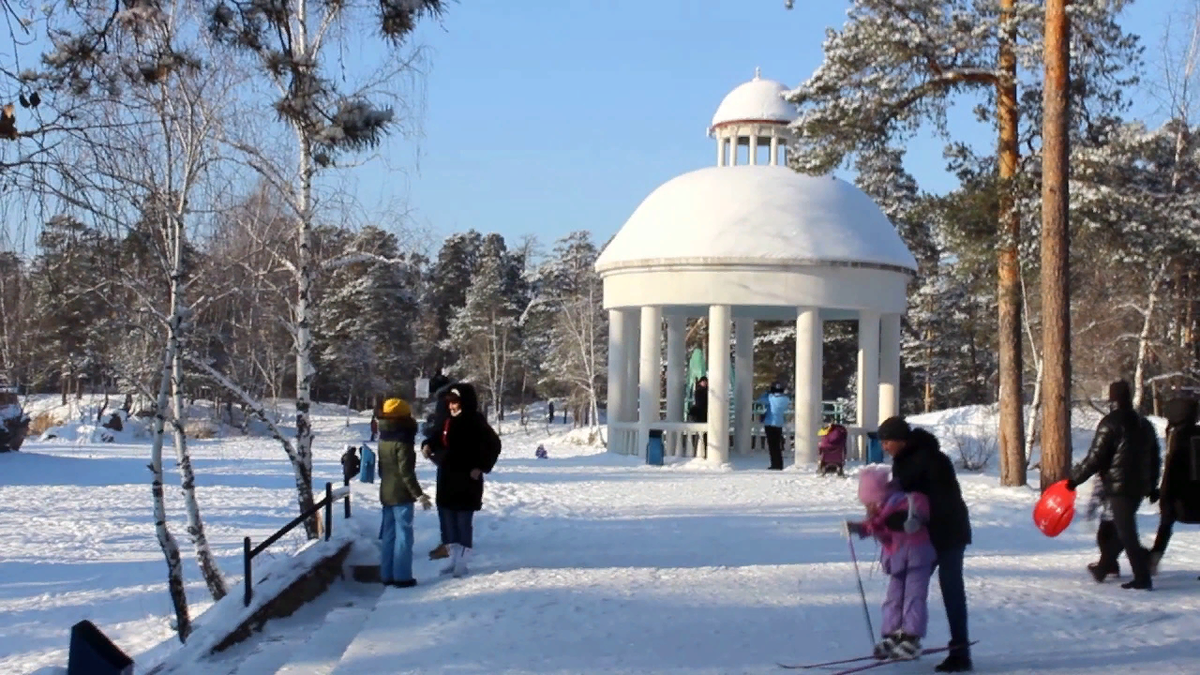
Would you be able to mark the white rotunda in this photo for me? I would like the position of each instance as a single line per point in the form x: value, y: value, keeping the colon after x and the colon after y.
x: 746, y: 240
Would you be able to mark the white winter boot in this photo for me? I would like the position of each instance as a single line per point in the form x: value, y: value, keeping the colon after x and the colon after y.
x: 460, y: 562
x: 452, y: 561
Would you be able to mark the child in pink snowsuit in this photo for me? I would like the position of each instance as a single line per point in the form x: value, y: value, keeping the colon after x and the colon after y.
x: 898, y: 521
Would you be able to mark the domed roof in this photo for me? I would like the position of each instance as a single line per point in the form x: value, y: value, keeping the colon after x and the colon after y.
x: 756, y: 215
x: 758, y: 100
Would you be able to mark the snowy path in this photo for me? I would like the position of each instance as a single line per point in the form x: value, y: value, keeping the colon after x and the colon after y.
x: 587, y: 563
x: 588, y: 566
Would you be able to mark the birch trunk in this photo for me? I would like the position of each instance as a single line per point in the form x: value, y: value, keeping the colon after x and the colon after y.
x: 166, y: 541
x: 302, y: 463
x: 187, y: 477
x: 1139, y: 371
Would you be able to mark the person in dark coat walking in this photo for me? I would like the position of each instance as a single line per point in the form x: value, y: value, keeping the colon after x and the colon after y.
x: 466, y: 448
x: 350, y: 463
x: 1179, y: 498
x: 1125, y: 453
x: 698, y: 413
x: 919, y: 465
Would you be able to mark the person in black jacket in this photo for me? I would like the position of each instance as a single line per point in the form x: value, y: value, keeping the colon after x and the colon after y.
x: 464, y: 448
x: 435, y: 420
x: 1125, y: 453
x: 919, y: 465
x: 1179, y: 499
x: 699, y: 410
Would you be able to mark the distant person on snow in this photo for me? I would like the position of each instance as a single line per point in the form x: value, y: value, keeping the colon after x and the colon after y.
x: 1125, y: 454
x: 777, y: 404
x: 350, y: 463
x: 919, y: 465
x: 1179, y: 499
x: 465, y: 448
x: 898, y: 520
x: 699, y: 410
x: 398, y: 491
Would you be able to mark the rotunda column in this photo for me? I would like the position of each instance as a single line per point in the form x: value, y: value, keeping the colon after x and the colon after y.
x: 754, y: 147
x: 807, y: 413
x: 774, y: 149
x: 632, y: 354
x: 868, y: 374
x: 743, y: 400
x: 676, y: 367
x: 616, y: 377
x: 718, y: 383
x: 889, y: 366
x: 733, y: 148
x: 720, y: 149
x: 651, y: 367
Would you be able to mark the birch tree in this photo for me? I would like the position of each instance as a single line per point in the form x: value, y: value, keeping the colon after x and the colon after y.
x: 290, y: 44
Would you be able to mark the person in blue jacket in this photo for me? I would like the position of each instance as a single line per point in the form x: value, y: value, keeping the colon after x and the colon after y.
x: 777, y: 404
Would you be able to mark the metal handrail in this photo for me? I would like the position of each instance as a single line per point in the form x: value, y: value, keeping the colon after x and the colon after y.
x: 325, y: 504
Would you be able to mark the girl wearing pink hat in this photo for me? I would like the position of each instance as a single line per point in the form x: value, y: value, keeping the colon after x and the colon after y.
x: 898, y: 520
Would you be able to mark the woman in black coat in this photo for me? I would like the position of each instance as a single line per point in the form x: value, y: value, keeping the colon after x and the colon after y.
x: 1179, y: 498
x: 464, y: 447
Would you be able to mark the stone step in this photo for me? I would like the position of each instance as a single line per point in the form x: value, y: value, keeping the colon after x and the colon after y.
x: 320, y: 654
x: 271, y: 652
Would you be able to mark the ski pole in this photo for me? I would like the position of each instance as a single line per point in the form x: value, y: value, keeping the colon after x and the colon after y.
x: 862, y: 593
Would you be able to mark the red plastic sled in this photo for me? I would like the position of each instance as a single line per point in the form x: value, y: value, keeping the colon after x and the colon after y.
x: 1054, y: 511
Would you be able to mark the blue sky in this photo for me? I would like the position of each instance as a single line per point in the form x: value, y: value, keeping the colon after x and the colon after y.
x: 548, y: 116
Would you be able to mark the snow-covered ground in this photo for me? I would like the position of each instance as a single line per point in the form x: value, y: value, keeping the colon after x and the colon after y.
x: 586, y: 563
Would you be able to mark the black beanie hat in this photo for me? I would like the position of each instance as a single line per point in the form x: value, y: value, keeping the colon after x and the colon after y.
x: 1119, y: 393
x: 894, y: 429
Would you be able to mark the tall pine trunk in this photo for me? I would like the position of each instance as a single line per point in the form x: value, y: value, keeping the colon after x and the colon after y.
x: 166, y: 541
x: 1008, y: 297
x: 1056, y: 289
x: 187, y: 477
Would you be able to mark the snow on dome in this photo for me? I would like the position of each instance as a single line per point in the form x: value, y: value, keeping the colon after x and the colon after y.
x: 756, y: 100
x: 756, y: 214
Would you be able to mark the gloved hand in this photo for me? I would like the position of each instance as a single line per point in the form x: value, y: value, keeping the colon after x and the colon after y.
x: 1071, y: 485
x: 852, y: 527
x: 425, y: 503
x: 1154, y: 495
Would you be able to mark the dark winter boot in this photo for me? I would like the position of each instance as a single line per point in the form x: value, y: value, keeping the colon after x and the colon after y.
x: 959, y: 661
x: 1139, y: 585
x: 1100, y: 572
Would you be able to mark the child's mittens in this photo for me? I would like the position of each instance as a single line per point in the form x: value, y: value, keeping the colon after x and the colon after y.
x: 851, y: 527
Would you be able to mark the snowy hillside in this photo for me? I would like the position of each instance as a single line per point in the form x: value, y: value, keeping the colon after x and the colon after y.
x: 586, y: 562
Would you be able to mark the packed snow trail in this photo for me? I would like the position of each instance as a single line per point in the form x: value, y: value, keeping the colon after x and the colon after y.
x: 594, y: 564
x: 586, y: 563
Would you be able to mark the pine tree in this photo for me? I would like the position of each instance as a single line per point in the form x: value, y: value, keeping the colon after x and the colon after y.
x: 485, y: 331
x: 894, y: 66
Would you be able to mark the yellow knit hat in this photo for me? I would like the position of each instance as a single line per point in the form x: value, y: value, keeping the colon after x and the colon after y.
x: 396, y: 407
